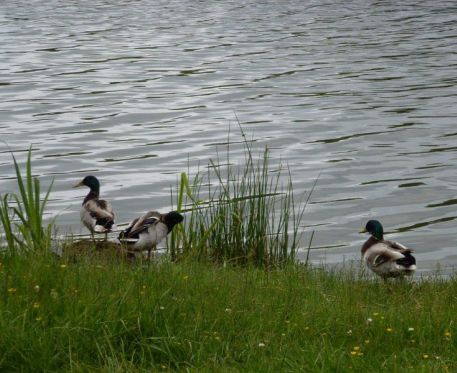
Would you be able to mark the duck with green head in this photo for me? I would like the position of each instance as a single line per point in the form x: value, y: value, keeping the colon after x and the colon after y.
x: 96, y: 214
x: 148, y: 230
x: 386, y: 258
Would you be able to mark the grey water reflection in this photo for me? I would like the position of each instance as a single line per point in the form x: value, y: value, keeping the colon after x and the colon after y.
x: 136, y: 92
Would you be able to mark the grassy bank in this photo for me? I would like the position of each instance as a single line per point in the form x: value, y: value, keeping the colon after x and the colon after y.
x: 112, y: 316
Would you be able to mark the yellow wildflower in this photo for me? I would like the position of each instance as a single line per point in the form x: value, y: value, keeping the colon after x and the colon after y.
x: 353, y: 353
x: 36, y: 305
x: 12, y: 290
x: 447, y: 334
x: 63, y: 266
x: 389, y: 330
x: 425, y: 356
x: 356, y: 348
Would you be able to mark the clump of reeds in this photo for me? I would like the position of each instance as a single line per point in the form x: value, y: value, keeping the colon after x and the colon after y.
x: 240, y: 214
x: 21, y: 214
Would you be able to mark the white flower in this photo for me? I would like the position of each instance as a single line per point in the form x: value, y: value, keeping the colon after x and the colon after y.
x: 261, y: 344
x: 410, y: 329
x: 369, y: 320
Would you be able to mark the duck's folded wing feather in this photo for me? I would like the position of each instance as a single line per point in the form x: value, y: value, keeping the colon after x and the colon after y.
x: 143, y: 223
x: 399, y: 247
x: 382, y: 253
x: 99, y: 209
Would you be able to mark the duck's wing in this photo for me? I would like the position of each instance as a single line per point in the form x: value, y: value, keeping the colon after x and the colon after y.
x: 101, y: 211
x: 382, y: 253
x: 399, y: 247
x: 141, y: 224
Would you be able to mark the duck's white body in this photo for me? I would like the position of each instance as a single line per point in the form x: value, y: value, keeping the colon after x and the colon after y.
x: 144, y: 232
x: 98, y: 216
x: 382, y: 258
x: 147, y: 231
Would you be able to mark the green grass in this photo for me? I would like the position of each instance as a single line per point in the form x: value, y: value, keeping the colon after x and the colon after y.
x: 241, y: 213
x: 234, y: 301
x: 111, y: 316
x: 21, y: 214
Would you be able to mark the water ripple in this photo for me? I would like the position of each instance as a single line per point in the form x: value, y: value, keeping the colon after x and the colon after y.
x: 363, y: 93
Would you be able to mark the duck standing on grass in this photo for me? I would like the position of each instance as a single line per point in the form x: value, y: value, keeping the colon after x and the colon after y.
x: 96, y: 214
x: 386, y: 258
x: 147, y: 231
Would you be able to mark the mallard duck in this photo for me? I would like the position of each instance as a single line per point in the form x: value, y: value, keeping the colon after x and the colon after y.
x: 147, y: 231
x: 386, y: 258
x: 96, y: 214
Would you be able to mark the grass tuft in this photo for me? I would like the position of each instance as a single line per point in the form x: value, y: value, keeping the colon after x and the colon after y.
x: 239, y: 214
x: 21, y: 214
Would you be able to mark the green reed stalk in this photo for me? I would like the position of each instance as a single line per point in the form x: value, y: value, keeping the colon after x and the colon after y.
x: 28, y: 210
x: 6, y: 218
x: 245, y: 215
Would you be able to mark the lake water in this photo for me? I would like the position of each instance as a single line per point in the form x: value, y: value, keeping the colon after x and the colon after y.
x: 134, y: 92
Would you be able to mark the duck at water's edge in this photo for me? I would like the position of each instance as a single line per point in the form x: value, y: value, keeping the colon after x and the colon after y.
x: 147, y: 231
x: 386, y: 258
x: 96, y: 214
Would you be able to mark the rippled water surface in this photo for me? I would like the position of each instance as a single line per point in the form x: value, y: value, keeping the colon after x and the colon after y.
x: 134, y: 92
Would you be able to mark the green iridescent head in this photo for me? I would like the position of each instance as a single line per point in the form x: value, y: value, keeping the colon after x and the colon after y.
x: 374, y: 227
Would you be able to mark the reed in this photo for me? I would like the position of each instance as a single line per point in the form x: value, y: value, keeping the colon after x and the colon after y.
x: 239, y: 214
x: 21, y: 214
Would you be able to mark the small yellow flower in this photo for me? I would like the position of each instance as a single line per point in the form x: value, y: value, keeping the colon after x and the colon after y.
x: 410, y: 329
x: 63, y: 266
x: 367, y: 341
x: 353, y: 353
x: 39, y: 318
x: 376, y: 314
x: 261, y: 344
x: 359, y: 353
x: 37, y: 288
x: 163, y: 366
x: 12, y: 290
x: 36, y: 305
x: 306, y: 327
x: 356, y: 348
x: 389, y: 330
x: 447, y: 334
x: 425, y: 356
